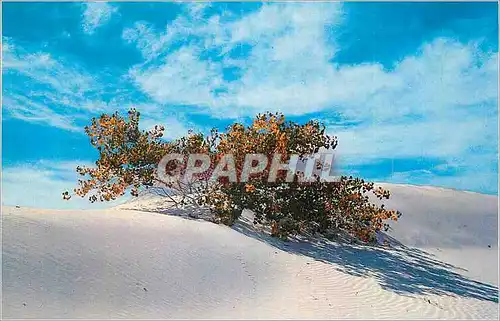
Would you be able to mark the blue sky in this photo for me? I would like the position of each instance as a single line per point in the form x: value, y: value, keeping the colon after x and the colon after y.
x: 410, y: 89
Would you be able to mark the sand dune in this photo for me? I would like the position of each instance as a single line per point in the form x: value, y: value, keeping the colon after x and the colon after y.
x: 119, y: 263
x: 458, y: 227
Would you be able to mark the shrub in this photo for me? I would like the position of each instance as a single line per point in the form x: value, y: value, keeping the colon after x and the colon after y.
x: 128, y: 158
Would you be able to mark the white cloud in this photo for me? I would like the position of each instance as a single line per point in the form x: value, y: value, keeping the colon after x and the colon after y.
x: 43, y: 68
x: 191, y: 23
x: 183, y: 79
x: 175, y: 126
x: 440, y: 102
x: 289, y: 68
x: 96, y: 14
x: 43, y: 89
x: 40, y: 88
x: 464, y: 143
x: 145, y: 39
x: 444, y: 108
x: 41, y: 184
x: 270, y: 30
x: 434, y: 137
x: 23, y: 108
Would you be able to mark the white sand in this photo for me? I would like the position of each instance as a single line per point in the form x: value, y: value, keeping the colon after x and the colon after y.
x: 129, y: 264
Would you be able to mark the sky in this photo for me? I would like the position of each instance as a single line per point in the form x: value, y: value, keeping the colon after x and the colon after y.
x: 409, y: 89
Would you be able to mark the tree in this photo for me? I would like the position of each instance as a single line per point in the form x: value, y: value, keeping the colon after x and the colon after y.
x: 129, y: 157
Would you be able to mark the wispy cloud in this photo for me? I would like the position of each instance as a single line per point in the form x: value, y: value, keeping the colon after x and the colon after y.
x: 284, y: 58
x: 279, y: 35
x: 42, y: 67
x: 41, y: 88
x: 40, y: 184
x: 176, y: 125
x: 443, y: 101
x: 440, y: 102
x: 96, y: 14
x: 437, y: 101
x: 464, y: 145
x: 444, y: 107
x: 21, y: 107
x: 183, y: 79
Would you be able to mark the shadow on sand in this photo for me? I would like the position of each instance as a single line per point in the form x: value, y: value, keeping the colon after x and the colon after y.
x: 189, y: 213
x: 403, y: 270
